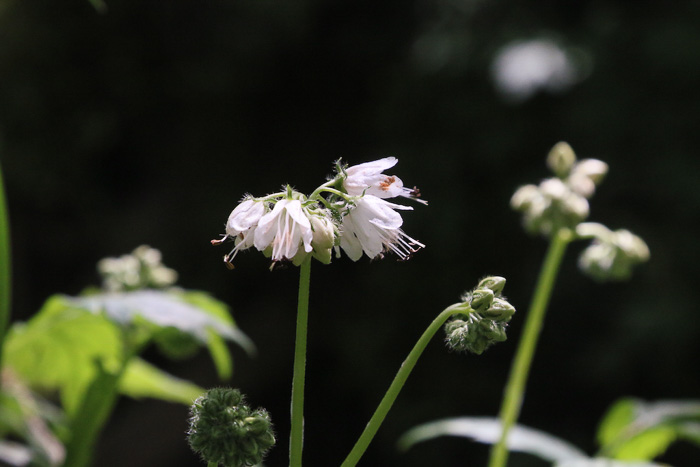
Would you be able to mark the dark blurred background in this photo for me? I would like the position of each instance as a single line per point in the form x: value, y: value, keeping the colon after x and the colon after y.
x: 145, y: 124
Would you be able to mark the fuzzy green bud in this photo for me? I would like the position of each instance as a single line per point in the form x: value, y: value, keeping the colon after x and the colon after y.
x: 494, y: 283
x: 481, y: 299
x: 486, y: 322
x: 561, y: 159
x: 224, y: 430
x: 500, y: 310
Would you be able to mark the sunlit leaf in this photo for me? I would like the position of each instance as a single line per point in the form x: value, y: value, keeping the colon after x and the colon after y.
x: 637, y: 430
x: 647, y: 444
x: 220, y: 355
x: 615, y: 421
x: 141, y: 379
x: 488, y: 430
x: 166, y: 309
x: 59, y: 347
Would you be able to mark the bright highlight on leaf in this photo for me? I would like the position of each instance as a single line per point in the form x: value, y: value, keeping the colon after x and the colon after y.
x: 488, y: 430
x: 637, y: 430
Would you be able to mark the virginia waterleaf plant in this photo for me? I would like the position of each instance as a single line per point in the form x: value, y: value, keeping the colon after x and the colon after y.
x: 349, y: 213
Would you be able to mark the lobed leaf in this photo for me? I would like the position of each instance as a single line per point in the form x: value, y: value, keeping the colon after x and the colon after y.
x: 59, y: 347
x: 488, y: 430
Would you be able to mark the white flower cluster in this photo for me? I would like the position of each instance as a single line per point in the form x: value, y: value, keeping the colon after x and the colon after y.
x: 141, y: 269
x: 560, y: 201
x: 349, y: 212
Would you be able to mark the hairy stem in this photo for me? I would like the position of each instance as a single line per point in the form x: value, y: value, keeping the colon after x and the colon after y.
x: 297, y: 436
x: 406, y: 367
x: 515, y: 389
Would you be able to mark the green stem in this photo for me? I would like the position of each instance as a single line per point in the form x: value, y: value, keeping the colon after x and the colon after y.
x: 297, y: 436
x: 212, y: 464
x: 515, y: 389
x: 321, y: 188
x: 95, y: 409
x: 5, y: 268
x: 406, y: 367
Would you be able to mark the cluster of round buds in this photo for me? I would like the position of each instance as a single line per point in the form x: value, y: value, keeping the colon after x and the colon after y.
x: 141, y: 269
x: 612, y: 254
x: 560, y: 201
x: 225, y: 431
x: 486, y: 320
x: 347, y: 212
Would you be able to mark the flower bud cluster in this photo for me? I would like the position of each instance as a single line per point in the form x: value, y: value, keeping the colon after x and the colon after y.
x: 139, y: 270
x: 560, y: 201
x: 612, y: 254
x: 224, y: 430
x: 348, y: 212
x: 485, y: 321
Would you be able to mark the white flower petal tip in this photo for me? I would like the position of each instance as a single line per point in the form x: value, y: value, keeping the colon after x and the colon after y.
x: 368, y: 179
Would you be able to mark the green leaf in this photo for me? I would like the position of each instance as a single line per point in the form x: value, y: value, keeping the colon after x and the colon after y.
x: 189, y: 312
x: 647, y: 445
x: 95, y: 408
x: 141, y: 379
x: 488, y: 430
x: 637, y: 430
x: 605, y: 462
x: 615, y: 421
x: 218, y: 309
x: 220, y: 355
x: 689, y: 431
x: 59, y: 348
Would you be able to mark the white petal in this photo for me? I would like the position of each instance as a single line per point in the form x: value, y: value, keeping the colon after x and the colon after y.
x: 349, y: 242
x: 372, y: 167
x: 267, y: 226
x: 244, y: 216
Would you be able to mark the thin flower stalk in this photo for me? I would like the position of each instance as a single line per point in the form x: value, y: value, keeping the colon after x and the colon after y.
x: 297, y: 437
x: 397, y: 384
x: 515, y: 388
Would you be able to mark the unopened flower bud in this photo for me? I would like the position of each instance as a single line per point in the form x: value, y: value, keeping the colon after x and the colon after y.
x: 500, y: 310
x: 494, y: 283
x: 324, y: 235
x: 523, y: 197
x: 594, y: 169
x: 481, y: 299
x: 486, y: 323
x: 561, y: 159
x: 224, y: 430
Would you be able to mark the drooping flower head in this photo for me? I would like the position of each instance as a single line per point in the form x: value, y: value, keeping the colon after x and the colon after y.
x: 372, y: 225
x: 560, y: 201
x: 348, y: 212
x: 484, y: 322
